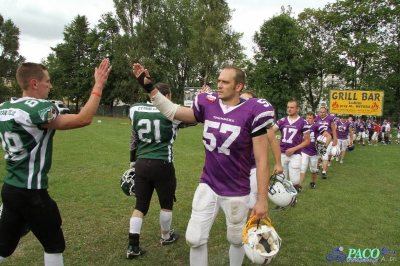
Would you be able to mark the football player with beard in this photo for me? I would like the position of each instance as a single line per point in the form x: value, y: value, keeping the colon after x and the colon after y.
x: 233, y: 127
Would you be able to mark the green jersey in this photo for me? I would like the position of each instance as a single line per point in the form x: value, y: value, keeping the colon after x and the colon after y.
x: 153, y: 133
x: 28, y: 147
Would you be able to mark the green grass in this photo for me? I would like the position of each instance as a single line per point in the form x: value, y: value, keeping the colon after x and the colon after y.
x: 356, y: 207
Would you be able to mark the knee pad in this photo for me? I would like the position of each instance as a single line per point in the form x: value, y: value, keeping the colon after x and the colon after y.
x: 194, y: 236
x: 236, y: 215
x: 234, y: 234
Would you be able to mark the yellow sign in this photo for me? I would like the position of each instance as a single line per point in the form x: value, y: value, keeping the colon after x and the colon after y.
x: 356, y: 102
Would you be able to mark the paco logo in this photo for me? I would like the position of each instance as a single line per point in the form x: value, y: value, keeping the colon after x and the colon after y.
x: 361, y: 255
x: 366, y: 255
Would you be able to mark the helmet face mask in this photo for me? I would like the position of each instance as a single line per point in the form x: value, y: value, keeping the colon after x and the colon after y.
x: 281, y: 191
x: 128, y: 182
x: 261, y: 241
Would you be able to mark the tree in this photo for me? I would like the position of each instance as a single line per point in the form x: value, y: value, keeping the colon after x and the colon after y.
x: 182, y: 42
x: 279, y: 66
x: 74, y: 62
x: 320, y: 56
x: 9, y: 57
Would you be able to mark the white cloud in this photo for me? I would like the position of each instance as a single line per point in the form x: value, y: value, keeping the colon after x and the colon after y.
x: 42, y: 22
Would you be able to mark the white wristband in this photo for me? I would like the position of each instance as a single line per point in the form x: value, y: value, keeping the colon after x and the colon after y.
x: 165, y: 106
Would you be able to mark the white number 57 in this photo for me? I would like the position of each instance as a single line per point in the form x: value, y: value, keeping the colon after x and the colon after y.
x: 223, y: 128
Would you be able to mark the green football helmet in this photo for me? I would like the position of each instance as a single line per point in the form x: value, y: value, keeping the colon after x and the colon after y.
x: 128, y: 182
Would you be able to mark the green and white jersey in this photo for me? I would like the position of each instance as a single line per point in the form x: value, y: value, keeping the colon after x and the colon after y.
x: 153, y: 132
x: 28, y: 147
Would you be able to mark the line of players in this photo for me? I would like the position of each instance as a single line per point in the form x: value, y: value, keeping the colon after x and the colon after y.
x: 373, y: 132
x: 316, y: 140
x: 310, y: 143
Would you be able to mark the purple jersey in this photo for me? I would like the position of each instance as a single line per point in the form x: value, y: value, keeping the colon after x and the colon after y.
x: 292, y: 132
x: 327, y: 120
x: 370, y: 126
x: 343, y: 129
x: 361, y: 126
x: 227, y: 140
x: 316, y: 130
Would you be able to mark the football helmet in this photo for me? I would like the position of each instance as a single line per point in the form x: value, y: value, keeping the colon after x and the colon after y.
x: 128, y: 182
x: 26, y: 228
x: 335, y: 151
x: 321, y: 139
x: 350, y: 148
x: 261, y: 241
x: 281, y: 191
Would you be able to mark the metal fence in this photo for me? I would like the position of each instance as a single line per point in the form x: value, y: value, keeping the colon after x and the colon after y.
x: 105, y: 110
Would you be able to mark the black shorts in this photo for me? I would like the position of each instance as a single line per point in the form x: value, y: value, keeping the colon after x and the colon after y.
x: 32, y: 207
x: 158, y: 175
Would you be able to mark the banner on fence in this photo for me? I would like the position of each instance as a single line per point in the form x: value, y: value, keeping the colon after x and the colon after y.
x: 353, y: 102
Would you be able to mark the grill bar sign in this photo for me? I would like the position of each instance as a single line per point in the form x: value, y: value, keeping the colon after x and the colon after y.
x: 356, y: 102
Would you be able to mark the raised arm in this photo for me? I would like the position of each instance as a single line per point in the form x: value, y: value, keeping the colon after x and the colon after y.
x: 85, y: 116
x: 166, y: 107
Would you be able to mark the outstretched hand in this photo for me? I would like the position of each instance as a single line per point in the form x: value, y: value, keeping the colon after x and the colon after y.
x: 101, y: 72
x: 143, y: 77
x: 138, y: 69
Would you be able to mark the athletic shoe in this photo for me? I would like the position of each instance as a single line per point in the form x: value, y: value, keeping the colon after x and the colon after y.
x: 337, y: 159
x: 300, y: 188
x: 312, y: 185
x: 294, y: 202
x: 323, y: 175
x: 341, y: 161
x: 278, y: 209
x: 329, y: 163
x: 173, y: 236
x: 363, y: 144
x: 376, y: 145
x: 134, y: 252
x: 370, y: 144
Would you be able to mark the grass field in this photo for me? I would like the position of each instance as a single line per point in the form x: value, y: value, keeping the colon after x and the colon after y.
x: 357, y: 207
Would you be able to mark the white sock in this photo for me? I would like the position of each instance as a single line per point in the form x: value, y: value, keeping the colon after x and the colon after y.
x: 55, y: 259
x: 165, y: 222
x: 236, y: 255
x: 135, y: 225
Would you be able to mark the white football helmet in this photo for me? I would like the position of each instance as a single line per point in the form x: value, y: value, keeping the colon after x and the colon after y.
x: 321, y: 139
x: 281, y: 191
x: 260, y: 240
x: 335, y: 151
